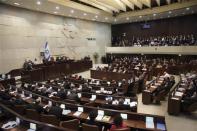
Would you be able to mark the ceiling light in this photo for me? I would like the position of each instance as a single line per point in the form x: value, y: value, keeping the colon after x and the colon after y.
x: 69, y: 15
x: 170, y: 12
x: 93, y: 19
x: 127, y: 18
x: 84, y: 14
x: 55, y: 12
x: 16, y: 3
x: 187, y: 8
x: 71, y: 11
x: 154, y: 14
x: 106, y: 18
x: 38, y: 3
x: 57, y: 7
x: 115, y: 20
x: 96, y: 16
x: 140, y: 16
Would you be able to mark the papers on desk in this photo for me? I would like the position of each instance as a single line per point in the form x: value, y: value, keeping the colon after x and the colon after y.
x: 149, y: 122
x: 127, y: 101
x: 174, y: 98
x: 124, y: 116
x: 161, y: 126
x: 99, y: 117
x: 93, y: 98
x: 133, y: 104
x: 106, y: 118
x: 77, y: 113
x: 65, y: 112
x: 62, y: 106
x: 178, y: 93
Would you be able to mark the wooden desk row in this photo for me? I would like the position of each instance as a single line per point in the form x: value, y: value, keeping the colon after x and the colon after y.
x: 134, y: 120
x: 150, y: 88
x: 25, y: 122
x: 43, y: 72
x: 175, y: 97
x: 100, y: 100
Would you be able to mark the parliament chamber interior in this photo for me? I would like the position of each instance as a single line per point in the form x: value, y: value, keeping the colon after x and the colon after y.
x: 98, y: 65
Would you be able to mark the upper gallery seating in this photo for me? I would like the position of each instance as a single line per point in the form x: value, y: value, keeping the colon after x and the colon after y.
x: 173, y: 40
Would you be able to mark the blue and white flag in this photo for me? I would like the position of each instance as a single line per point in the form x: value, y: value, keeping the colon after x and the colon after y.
x: 46, y: 52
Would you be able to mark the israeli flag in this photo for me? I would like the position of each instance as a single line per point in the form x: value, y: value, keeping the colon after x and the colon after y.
x: 46, y: 52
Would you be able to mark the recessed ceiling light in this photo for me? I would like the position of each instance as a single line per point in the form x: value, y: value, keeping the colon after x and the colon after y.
x: 96, y: 16
x: 127, y: 18
x: 16, y: 3
x: 106, y: 18
x: 69, y: 15
x: 84, y: 14
x: 38, y: 3
x: 170, y: 12
x: 154, y: 14
x: 115, y: 20
x: 140, y: 16
x: 57, y: 7
x: 72, y: 11
x: 187, y: 8
x: 55, y: 12
x: 168, y: 16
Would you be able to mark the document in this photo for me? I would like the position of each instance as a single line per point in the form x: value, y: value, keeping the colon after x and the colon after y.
x: 149, y: 122
x: 77, y: 113
x: 65, y: 112
x: 99, y: 117
x: 106, y: 118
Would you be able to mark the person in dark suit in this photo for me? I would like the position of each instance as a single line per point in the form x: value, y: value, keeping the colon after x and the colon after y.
x: 36, y: 106
x: 91, y: 121
x: 18, y: 101
x: 55, y: 110
x: 73, y: 96
x: 61, y: 94
x: 5, y: 95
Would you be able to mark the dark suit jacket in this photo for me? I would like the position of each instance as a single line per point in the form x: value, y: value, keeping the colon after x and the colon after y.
x: 36, y: 107
x: 55, y: 110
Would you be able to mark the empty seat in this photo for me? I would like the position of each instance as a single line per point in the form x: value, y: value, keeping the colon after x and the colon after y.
x: 20, y: 109
x: 87, y: 127
x: 50, y: 119
x: 70, y: 124
x: 32, y: 114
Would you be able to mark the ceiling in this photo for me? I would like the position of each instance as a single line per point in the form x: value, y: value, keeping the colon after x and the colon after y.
x: 110, y: 11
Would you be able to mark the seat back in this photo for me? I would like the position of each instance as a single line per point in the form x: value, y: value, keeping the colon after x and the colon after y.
x: 32, y: 114
x: 70, y: 124
x: 50, y: 119
x: 122, y: 129
x: 87, y: 127
x: 20, y: 109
